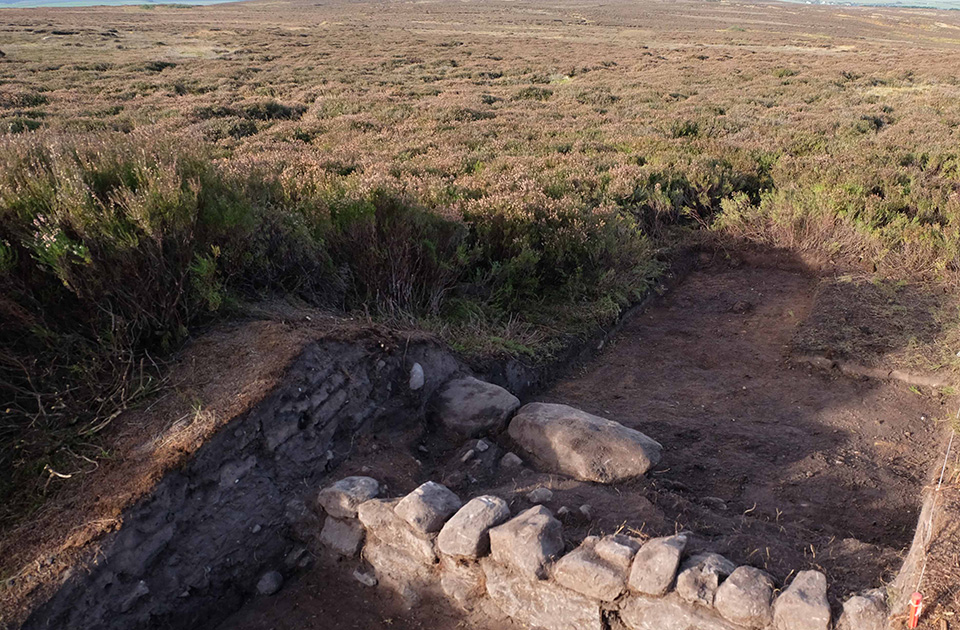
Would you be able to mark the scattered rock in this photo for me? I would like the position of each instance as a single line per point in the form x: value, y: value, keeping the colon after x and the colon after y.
x: 804, y: 605
x: 342, y: 498
x: 572, y: 442
x: 700, y: 577
x: 296, y: 556
x: 511, y: 460
x: 343, y: 537
x: 537, y: 603
x: 669, y: 613
x: 598, y: 567
x: 367, y: 579
x: 481, y: 446
x: 270, y: 582
x: 655, y: 565
x: 428, y: 507
x: 746, y: 598
x: 466, y: 457
x: 454, y: 479
x: 540, y: 495
x: 417, y: 378
x: 466, y: 534
x: 382, y: 523
x: 864, y: 612
x: 469, y: 406
x: 586, y: 511
x: 714, y: 503
x: 527, y: 542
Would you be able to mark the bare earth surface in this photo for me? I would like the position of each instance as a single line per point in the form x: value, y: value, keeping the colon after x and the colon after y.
x: 812, y: 469
x: 776, y: 466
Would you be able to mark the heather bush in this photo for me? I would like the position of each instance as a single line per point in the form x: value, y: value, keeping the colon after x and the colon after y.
x: 110, y: 249
x: 505, y: 196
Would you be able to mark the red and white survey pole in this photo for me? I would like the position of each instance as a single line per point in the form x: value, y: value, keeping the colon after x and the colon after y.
x: 916, y: 607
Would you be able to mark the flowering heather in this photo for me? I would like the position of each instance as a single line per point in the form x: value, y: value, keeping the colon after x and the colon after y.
x: 504, y: 175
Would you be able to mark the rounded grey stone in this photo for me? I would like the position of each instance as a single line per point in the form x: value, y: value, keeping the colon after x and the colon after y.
x: 341, y: 499
x: 746, y: 598
x: 804, y: 605
x: 466, y: 534
x: 270, y: 582
x: 428, y: 507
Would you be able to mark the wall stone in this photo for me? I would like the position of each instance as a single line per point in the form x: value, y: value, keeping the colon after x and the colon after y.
x: 524, y: 575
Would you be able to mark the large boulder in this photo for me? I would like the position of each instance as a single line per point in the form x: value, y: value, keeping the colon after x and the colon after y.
x: 804, y: 605
x: 598, y: 567
x: 466, y: 534
x: 700, y: 577
x: 341, y: 499
x: 428, y: 507
x: 537, y: 603
x: 471, y: 407
x: 383, y: 523
x: 746, y: 598
x: 655, y: 565
x: 639, y: 612
x: 568, y: 441
x: 527, y: 542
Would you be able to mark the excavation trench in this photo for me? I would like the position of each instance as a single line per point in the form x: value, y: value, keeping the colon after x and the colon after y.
x: 781, y: 466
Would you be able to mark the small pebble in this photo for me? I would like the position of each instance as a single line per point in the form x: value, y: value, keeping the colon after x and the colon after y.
x: 367, y: 579
x: 416, y: 377
x: 481, y: 446
x: 540, y: 495
x: 587, y: 511
x: 468, y: 456
x: 510, y: 460
x: 270, y: 583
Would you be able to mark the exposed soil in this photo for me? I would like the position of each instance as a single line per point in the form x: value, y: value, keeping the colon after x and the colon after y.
x: 329, y: 598
x: 774, y: 465
x: 218, y: 377
x: 884, y: 324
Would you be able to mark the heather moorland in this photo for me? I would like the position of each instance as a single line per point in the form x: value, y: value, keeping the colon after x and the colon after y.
x: 509, y: 177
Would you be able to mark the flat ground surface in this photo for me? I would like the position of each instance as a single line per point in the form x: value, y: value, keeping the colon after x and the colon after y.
x: 774, y: 465
x: 779, y: 466
x: 317, y: 601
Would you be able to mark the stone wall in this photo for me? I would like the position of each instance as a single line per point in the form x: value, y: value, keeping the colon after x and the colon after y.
x: 481, y: 557
x: 194, y: 550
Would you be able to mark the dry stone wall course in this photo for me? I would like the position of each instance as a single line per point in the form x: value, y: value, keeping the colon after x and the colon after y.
x: 604, y: 583
x: 251, y: 474
x: 466, y: 534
